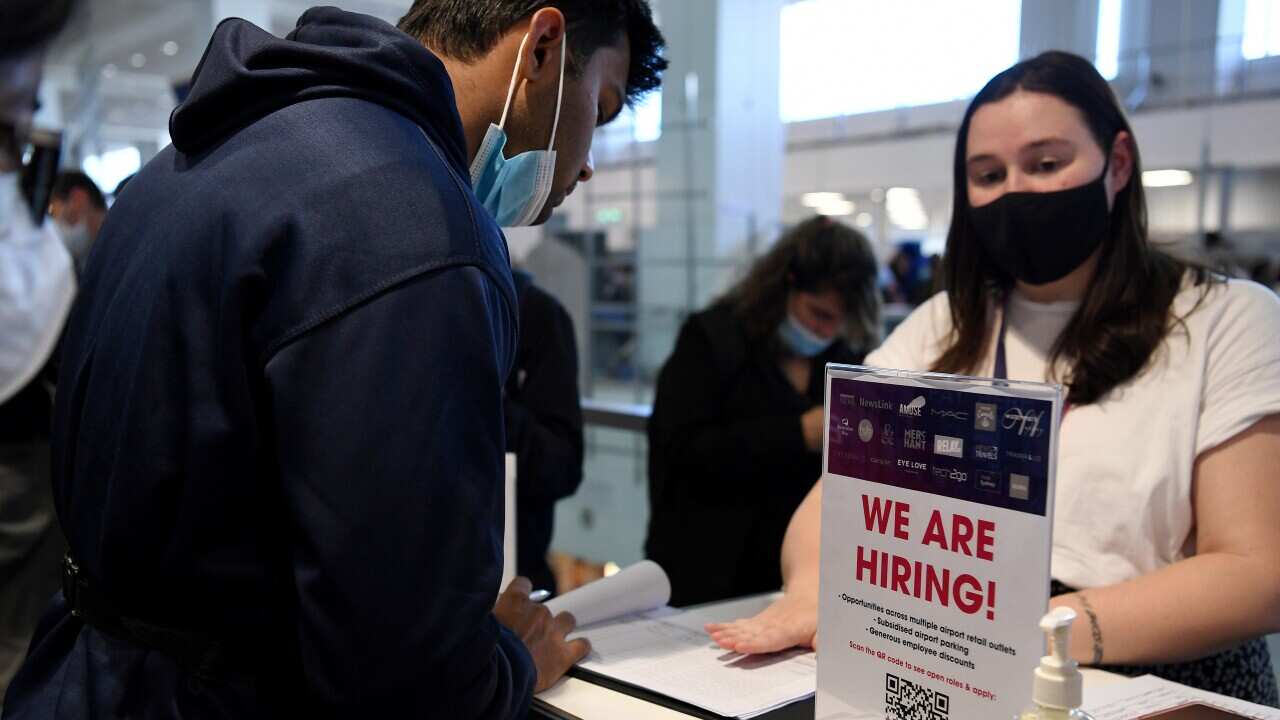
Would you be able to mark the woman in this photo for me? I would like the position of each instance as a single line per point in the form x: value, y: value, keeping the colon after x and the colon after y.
x: 1165, y: 539
x: 737, y: 419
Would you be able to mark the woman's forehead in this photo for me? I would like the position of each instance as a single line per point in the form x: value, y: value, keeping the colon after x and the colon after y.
x: 1022, y: 120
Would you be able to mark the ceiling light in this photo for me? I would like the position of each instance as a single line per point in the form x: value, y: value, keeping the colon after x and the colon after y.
x: 1166, y: 178
x: 109, y: 70
x: 864, y: 220
x: 170, y: 48
x: 817, y: 199
x: 137, y: 60
x: 905, y: 208
x: 837, y: 207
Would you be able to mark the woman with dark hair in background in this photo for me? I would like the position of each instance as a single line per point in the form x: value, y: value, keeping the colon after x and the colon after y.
x: 1165, y: 540
x: 737, y: 419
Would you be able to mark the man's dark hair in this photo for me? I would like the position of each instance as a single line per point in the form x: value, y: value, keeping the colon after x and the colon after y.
x: 69, y: 180
x: 27, y: 24
x: 467, y: 29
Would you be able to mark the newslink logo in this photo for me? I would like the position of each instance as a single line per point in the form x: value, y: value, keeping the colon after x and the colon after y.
x: 915, y: 408
x: 1025, y: 422
x: 949, y: 446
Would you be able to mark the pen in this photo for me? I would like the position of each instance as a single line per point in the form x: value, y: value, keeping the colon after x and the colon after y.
x: 539, y: 595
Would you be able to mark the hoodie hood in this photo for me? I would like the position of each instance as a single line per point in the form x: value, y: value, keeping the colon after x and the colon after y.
x: 247, y: 73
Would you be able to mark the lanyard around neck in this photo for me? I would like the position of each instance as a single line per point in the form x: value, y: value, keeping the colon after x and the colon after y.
x: 1001, y: 370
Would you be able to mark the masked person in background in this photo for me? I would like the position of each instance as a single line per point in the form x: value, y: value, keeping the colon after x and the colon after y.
x: 737, y: 417
x: 543, y: 413
x: 278, y: 439
x: 36, y: 288
x: 78, y: 209
x: 1165, y: 537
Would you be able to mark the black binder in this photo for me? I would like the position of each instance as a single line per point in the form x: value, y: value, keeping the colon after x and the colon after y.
x: 799, y: 710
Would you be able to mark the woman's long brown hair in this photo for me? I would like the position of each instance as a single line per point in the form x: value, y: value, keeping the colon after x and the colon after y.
x: 815, y: 256
x: 1126, y: 312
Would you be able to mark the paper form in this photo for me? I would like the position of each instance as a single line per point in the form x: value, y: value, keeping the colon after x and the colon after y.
x: 668, y: 652
x: 1149, y: 694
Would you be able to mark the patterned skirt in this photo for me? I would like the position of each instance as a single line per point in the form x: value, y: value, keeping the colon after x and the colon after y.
x: 1242, y: 672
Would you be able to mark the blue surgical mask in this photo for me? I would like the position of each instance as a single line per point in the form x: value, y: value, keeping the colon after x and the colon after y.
x: 514, y: 190
x: 799, y: 339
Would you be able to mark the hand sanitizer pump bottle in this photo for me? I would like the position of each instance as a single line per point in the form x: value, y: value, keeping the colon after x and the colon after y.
x: 1059, y: 687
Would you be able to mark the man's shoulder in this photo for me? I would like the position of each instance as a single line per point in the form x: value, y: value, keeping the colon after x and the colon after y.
x: 336, y: 200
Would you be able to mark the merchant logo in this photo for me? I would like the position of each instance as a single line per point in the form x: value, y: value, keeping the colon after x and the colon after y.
x: 915, y: 408
x: 984, y: 417
x: 942, y: 473
x: 949, y: 446
x: 866, y: 430
x: 1025, y: 422
x: 916, y: 440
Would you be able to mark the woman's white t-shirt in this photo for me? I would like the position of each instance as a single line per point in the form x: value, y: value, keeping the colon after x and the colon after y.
x: 1125, y: 464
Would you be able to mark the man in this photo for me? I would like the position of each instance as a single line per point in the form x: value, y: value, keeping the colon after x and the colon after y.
x: 278, y: 433
x: 36, y: 288
x: 544, y: 424
x: 78, y: 209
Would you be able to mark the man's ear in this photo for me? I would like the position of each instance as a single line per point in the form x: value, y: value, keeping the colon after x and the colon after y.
x: 542, y: 50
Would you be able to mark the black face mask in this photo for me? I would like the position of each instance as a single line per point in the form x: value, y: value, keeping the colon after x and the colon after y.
x: 1041, y: 237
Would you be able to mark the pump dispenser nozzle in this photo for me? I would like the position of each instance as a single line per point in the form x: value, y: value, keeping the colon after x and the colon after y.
x: 1058, y: 682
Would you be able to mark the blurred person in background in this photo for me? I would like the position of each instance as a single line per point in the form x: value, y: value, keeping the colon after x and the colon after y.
x: 1165, y: 539
x: 543, y: 414
x: 36, y: 288
x: 736, y: 429
x: 78, y: 209
x: 909, y: 276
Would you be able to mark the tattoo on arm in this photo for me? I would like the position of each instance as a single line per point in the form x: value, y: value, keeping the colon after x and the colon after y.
x: 1093, y: 628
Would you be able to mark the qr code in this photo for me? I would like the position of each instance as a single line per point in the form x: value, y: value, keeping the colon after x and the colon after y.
x: 904, y: 700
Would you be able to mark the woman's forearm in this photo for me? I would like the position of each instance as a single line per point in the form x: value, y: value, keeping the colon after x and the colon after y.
x: 800, y: 546
x: 1191, y: 609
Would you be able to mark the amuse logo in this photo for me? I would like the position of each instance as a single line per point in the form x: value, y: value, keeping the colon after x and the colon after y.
x: 915, y: 408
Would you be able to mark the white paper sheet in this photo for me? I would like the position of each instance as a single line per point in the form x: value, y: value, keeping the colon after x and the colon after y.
x: 636, y: 588
x: 668, y: 652
x: 1149, y: 694
x: 509, y: 525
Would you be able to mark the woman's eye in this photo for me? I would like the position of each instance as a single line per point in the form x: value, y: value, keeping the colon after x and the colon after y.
x: 1047, y: 165
x: 988, y: 177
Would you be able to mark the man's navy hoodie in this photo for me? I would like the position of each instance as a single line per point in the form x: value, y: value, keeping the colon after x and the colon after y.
x: 279, y: 414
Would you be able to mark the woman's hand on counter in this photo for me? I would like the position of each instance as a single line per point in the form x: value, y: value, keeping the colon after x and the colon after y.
x: 791, y: 621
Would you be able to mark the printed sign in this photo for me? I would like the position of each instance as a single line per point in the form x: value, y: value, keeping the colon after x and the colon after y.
x: 937, y: 511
